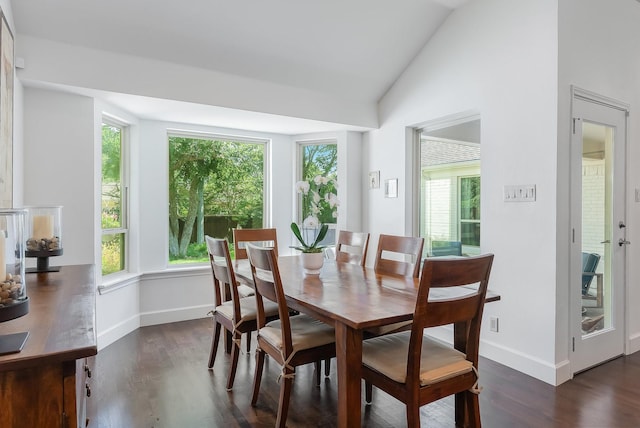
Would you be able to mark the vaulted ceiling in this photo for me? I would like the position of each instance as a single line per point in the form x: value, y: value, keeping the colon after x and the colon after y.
x: 350, y: 48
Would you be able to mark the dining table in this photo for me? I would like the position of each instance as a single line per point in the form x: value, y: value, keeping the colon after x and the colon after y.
x: 352, y: 298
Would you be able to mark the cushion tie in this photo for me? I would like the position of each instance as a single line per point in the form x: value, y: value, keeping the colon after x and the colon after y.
x: 476, y: 388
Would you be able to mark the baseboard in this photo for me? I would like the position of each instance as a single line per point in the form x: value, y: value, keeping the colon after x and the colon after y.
x: 174, y: 315
x: 533, y: 367
x: 634, y: 344
x: 118, y: 331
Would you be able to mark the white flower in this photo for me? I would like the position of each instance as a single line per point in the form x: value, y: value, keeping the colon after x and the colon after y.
x: 318, y: 179
x: 316, y: 197
x: 315, y: 210
x: 332, y: 199
x: 311, y: 222
x: 302, y: 187
x: 334, y: 214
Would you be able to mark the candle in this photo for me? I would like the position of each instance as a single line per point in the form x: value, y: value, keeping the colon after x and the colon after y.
x: 3, y: 263
x: 42, y: 227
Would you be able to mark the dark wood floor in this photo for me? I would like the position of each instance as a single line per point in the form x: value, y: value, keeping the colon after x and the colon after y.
x: 157, y: 377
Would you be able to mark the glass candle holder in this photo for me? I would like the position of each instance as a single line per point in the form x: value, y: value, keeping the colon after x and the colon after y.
x: 44, y: 235
x: 13, y: 291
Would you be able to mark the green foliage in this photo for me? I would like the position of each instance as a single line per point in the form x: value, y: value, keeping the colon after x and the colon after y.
x: 111, y: 257
x: 211, y: 177
x: 319, y: 160
x: 111, y: 178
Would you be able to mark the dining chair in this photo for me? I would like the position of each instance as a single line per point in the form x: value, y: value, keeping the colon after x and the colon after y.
x: 402, y: 247
x: 352, y: 247
x: 235, y: 314
x: 416, y: 369
x: 292, y: 340
x: 241, y: 237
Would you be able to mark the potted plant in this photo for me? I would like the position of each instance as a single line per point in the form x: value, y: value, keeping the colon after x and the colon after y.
x: 319, y: 196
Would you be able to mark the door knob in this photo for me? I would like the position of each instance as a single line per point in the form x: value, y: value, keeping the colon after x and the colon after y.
x: 621, y: 225
x: 622, y: 242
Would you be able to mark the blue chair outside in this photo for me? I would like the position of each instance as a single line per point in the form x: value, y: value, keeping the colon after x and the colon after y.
x: 589, y: 264
x: 446, y: 248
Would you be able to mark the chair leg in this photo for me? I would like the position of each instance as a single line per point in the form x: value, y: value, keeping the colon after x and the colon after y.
x: 318, y: 368
x: 248, y: 342
x: 214, y: 343
x: 227, y: 341
x: 258, y: 376
x: 460, y: 409
x: 235, y: 353
x: 327, y: 367
x: 473, y: 410
x: 368, y: 392
x: 413, y: 415
x: 286, y: 383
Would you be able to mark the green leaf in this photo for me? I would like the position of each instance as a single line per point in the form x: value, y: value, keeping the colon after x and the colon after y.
x: 323, y: 232
x: 296, y: 231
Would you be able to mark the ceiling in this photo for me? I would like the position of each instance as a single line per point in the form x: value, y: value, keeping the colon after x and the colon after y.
x: 348, y: 48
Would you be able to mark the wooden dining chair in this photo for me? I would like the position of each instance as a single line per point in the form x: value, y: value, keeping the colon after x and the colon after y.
x: 418, y: 370
x: 235, y: 314
x: 241, y: 237
x: 292, y: 340
x: 402, y: 247
x: 352, y: 247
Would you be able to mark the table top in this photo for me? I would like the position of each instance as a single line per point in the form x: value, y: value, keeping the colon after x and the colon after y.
x: 351, y: 294
x: 61, y: 319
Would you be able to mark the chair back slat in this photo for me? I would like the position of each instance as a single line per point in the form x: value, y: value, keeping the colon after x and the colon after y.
x: 242, y: 237
x: 352, y: 247
x: 224, y: 278
x: 268, y: 284
x: 403, y: 246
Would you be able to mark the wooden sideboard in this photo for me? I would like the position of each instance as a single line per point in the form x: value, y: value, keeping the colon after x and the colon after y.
x: 46, y: 385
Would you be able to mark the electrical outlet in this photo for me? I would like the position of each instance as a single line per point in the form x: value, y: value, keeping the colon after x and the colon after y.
x: 520, y: 193
x: 493, y: 324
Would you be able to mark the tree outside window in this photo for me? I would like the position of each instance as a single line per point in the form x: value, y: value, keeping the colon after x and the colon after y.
x: 319, y: 160
x: 113, y: 212
x: 215, y: 185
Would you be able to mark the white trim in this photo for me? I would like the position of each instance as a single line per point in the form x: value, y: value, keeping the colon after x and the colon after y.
x: 175, y: 315
x: 116, y: 283
x: 118, y: 331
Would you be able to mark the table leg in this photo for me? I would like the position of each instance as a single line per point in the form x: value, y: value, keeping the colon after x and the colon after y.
x: 349, y: 359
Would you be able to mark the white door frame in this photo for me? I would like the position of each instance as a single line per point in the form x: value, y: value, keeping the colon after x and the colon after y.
x: 575, y: 260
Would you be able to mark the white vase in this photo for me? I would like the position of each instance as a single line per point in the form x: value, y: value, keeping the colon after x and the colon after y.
x: 312, y: 262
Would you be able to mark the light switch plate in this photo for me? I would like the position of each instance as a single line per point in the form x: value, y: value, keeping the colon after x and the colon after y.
x: 520, y: 193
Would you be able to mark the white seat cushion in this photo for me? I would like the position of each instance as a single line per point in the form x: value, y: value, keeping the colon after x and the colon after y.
x: 306, y: 333
x: 388, y: 355
x: 248, y: 309
x: 245, y: 290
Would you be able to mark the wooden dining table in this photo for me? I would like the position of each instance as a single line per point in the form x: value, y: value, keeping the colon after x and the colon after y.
x: 352, y: 298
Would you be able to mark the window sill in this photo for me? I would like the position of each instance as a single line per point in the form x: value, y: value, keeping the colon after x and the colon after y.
x: 126, y: 279
x: 117, y: 282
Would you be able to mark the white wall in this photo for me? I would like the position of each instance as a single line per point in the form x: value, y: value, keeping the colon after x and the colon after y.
x: 498, y: 58
x: 59, y: 166
x: 598, y: 50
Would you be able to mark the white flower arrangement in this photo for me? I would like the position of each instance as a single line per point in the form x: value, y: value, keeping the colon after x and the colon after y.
x: 320, y: 197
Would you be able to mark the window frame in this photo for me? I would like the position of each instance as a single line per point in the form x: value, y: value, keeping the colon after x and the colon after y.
x: 125, y: 133
x: 266, y: 165
x: 300, y: 145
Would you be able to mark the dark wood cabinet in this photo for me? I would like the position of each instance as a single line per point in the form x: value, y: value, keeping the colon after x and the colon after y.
x: 47, y: 384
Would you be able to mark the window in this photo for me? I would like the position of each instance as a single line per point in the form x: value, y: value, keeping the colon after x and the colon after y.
x: 216, y: 183
x: 319, y: 159
x: 114, y: 221
x: 449, y: 199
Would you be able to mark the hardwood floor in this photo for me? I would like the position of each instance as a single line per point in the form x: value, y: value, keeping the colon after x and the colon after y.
x: 157, y: 377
